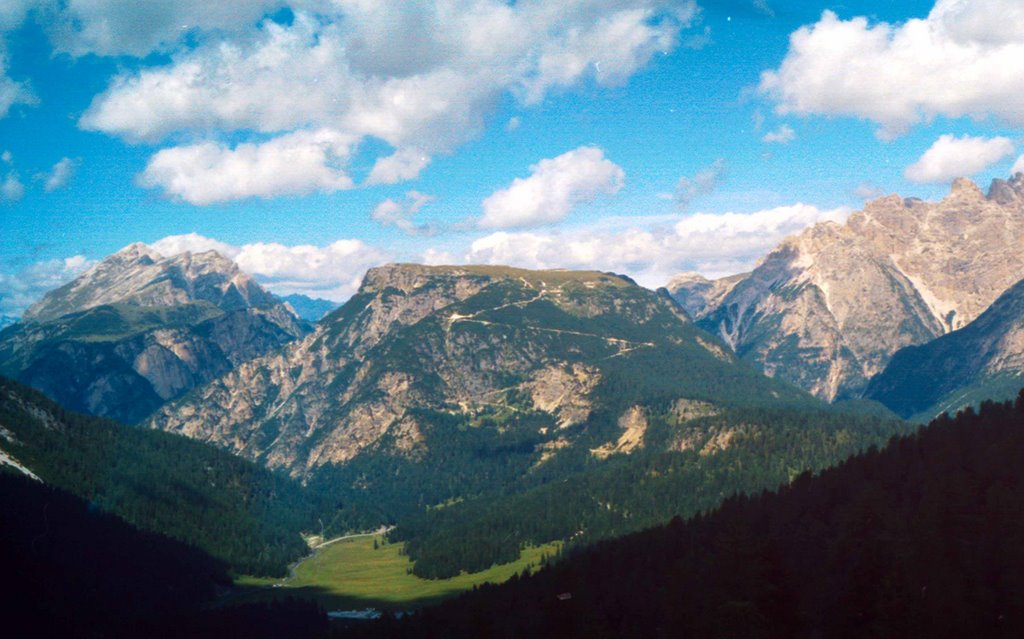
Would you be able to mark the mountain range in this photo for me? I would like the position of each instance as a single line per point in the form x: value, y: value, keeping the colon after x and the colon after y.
x: 471, y: 344
x: 483, y: 409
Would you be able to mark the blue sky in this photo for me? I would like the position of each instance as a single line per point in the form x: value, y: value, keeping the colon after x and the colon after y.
x: 311, y: 139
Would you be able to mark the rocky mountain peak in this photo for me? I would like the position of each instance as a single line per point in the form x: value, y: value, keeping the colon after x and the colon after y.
x: 139, y: 275
x: 139, y: 329
x: 138, y: 253
x: 460, y: 341
x: 1008, y: 192
x: 965, y: 188
x: 828, y: 308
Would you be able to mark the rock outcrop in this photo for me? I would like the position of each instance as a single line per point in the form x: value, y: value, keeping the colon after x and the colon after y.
x: 983, y: 360
x: 139, y: 329
x: 827, y: 308
x: 420, y: 346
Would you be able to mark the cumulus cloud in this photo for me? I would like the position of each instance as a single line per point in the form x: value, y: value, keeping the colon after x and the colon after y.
x: 208, y: 172
x: 963, y: 59
x: 782, y: 135
x: 421, y: 80
x: 192, y: 243
x: 553, y: 189
x: 59, y: 175
x: 332, y: 272
x: 22, y: 289
x: 399, y: 214
x: 713, y: 244
x: 118, y: 27
x: 703, y: 183
x: 950, y: 157
x: 402, y: 165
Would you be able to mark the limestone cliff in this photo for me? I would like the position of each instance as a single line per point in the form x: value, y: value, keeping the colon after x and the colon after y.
x: 983, y: 360
x: 418, y: 343
x: 139, y: 329
x: 827, y: 308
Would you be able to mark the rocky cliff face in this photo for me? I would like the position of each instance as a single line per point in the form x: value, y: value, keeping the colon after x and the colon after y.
x: 983, y: 360
x: 418, y: 346
x: 139, y: 329
x: 139, y: 275
x: 698, y: 295
x: 828, y: 308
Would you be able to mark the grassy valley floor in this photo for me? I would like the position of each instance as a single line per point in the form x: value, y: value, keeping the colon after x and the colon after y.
x: 351, y: 574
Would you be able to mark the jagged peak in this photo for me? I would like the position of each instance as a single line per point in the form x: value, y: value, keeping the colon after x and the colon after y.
x: 686, y: 278
x: 136, y: 251
x: 1007, y: 192
x: 141, y: 275
x: 963, y: 186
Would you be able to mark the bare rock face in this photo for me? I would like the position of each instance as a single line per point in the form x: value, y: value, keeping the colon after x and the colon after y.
x: 139, y: 275
x: 139, y: 329
x: 983, y: 360
x: 698, y: 295
x: 827, y: 308
x: 418, y: 345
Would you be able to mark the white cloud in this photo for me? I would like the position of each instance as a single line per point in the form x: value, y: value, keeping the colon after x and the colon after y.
x: 555, y: 186
x: 1018, y: 166
x: 950, y: 157
x: 11, y: 189
x: 59, y: 175
x: 333, y: 272
x: 207, y: 173
x: 400, y: 214
x: 964, y: 59
x: 22, y: 289
x: 402, y: 165
x: 782, y: 135
x: 713, y: 244
x: 513, y: 123
x: 116, y: 27
x: 703, y: 183
x: 11, y: 91
x: 192, y: 243
x: 420, y: 79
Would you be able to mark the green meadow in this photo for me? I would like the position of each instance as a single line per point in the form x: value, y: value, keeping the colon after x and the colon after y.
x: 352, y: 574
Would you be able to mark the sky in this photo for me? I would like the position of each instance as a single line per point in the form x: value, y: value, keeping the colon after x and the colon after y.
x: 312, y: 139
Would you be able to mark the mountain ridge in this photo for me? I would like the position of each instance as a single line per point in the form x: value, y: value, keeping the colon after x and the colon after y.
x: 139, y: 329
x: 827, y: 308
x: 984, y: 359
x: 456, y: 339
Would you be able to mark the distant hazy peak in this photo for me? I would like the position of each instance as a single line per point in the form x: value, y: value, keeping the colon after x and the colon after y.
x: 137, y: 274
x: 1008, y: 192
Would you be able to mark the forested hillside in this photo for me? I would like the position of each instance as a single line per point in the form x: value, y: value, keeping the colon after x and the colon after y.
x: 687, y: 468
x: 238, y: 512
x: 922, y: 539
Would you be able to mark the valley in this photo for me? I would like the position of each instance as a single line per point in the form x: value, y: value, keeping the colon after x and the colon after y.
x: 362, y: 572
x: 444, y: 319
